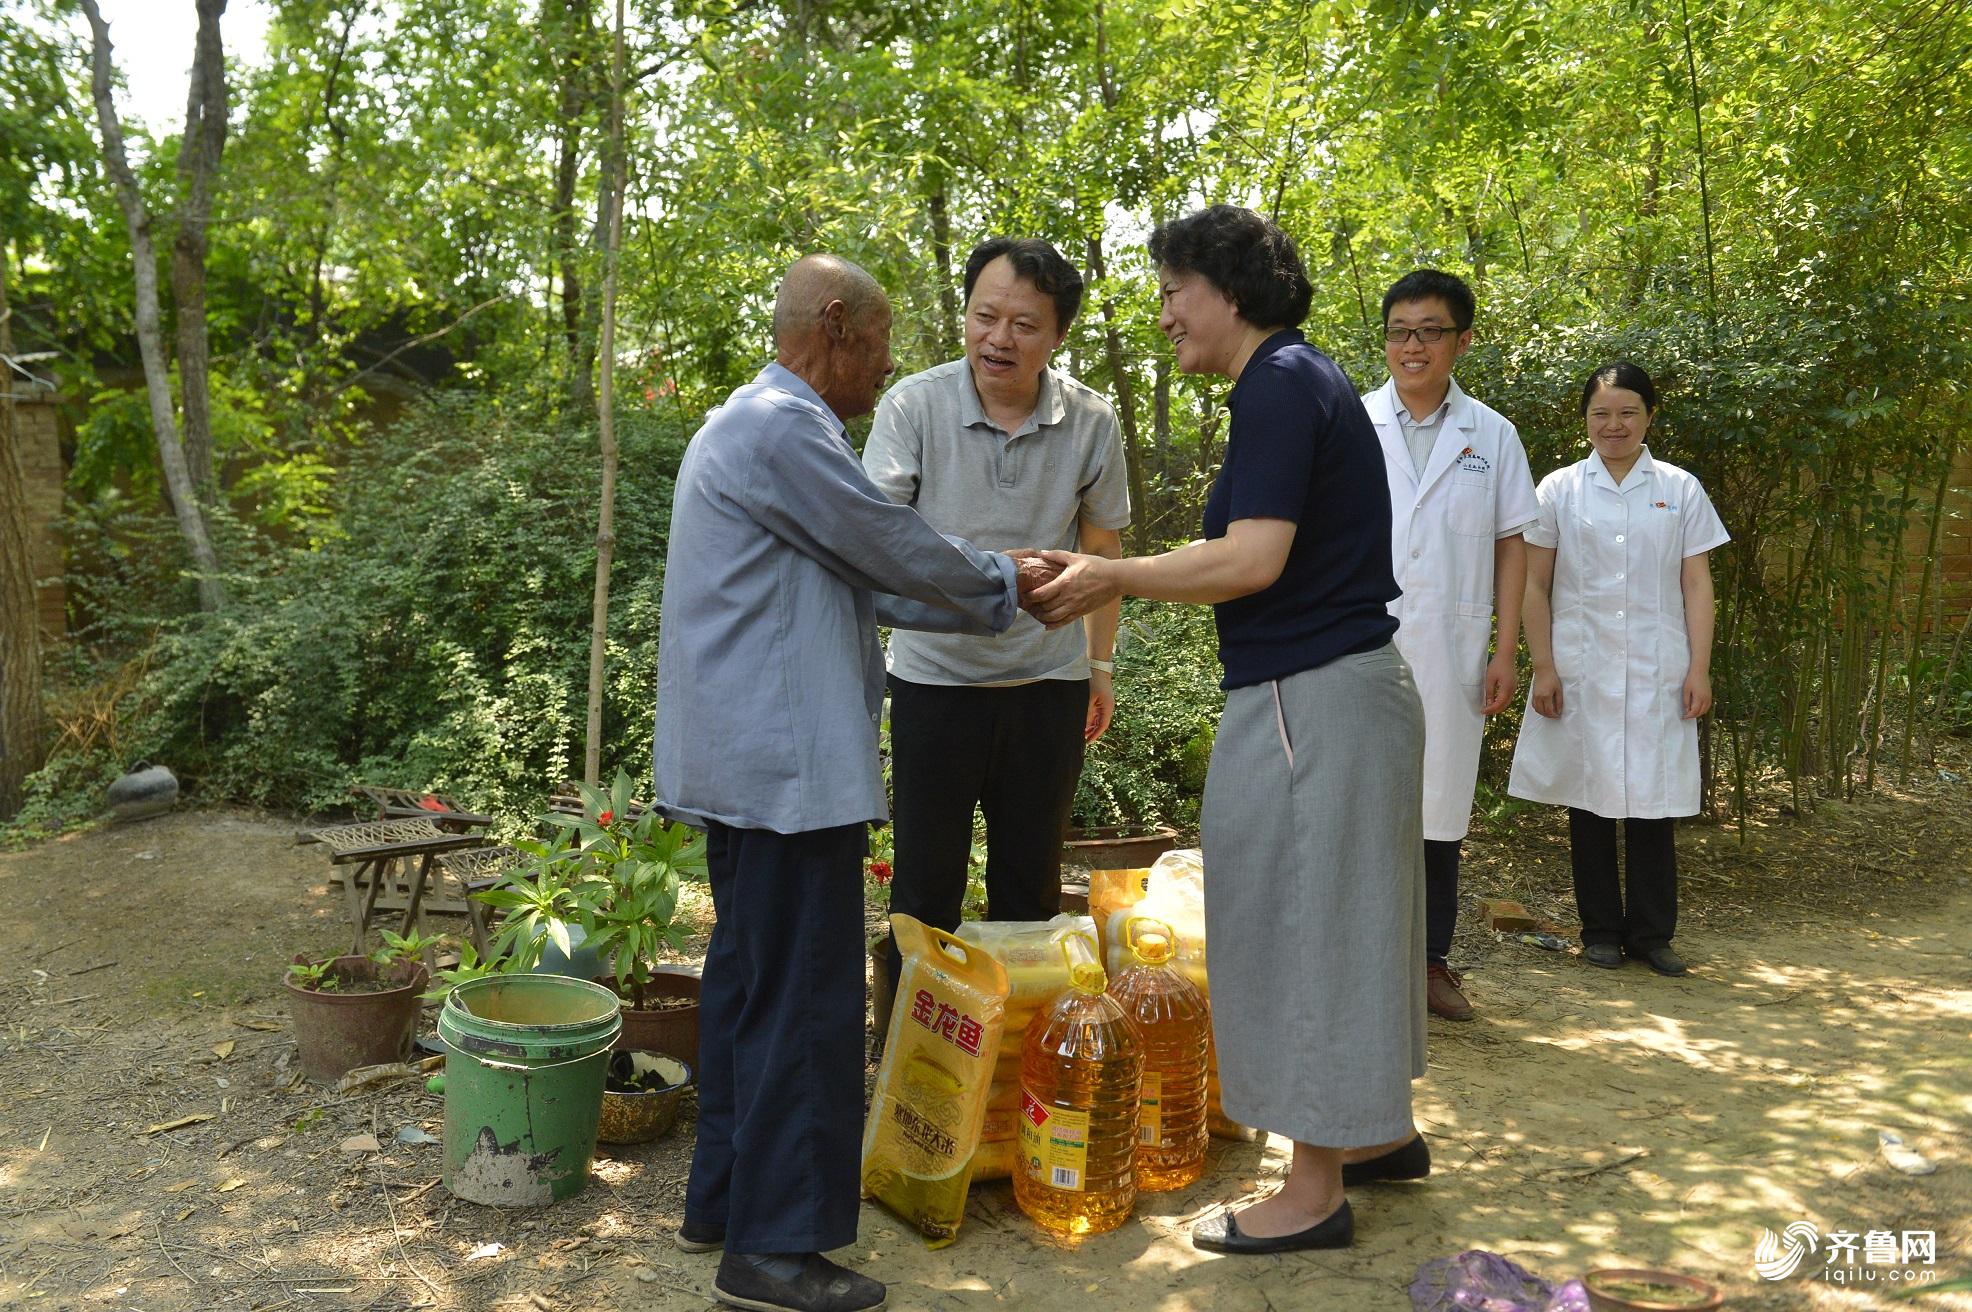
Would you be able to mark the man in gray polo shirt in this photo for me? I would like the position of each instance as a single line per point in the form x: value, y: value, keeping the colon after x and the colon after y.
x: 1006, y: 452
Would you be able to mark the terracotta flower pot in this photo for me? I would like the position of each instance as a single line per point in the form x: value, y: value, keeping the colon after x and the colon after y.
x: 671, y: 1028
x: 357, y: 1024
x: 1118, y: 847
x: 1629, y: 1289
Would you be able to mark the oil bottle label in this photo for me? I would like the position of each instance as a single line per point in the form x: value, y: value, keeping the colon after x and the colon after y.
x: 1054, y: 1143
x: 1149, y: 1122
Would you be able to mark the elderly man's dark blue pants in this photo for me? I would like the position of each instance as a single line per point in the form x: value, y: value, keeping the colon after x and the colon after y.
x: 780, y: 1049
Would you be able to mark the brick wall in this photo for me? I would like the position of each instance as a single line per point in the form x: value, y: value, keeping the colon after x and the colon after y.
x: 41, y: 465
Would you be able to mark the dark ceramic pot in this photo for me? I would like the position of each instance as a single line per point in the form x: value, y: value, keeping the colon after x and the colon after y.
x: 146, y: 790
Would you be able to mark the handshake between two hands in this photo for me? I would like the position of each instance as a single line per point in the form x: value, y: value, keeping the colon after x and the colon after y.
x: 1059, y: 587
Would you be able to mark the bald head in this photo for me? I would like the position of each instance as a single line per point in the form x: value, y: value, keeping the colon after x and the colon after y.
x: 832, y: 329
x: 810, y: 286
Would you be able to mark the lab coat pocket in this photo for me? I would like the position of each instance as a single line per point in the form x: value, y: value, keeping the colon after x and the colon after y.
x: 1472, y: 504
x: 1570, y: 646
x: 1472, y: 639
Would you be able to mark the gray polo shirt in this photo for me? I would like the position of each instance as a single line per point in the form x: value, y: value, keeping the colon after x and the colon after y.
x: 1420, y: 435
x: 932, y: 447
x: 783, y: 560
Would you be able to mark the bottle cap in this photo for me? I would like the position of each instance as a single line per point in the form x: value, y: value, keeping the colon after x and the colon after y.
x: 1084, y: 971
x: 1154, y: 944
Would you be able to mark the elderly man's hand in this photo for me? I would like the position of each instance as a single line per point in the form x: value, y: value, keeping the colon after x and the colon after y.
x: 1084, y: 585
x: 1030, y: 572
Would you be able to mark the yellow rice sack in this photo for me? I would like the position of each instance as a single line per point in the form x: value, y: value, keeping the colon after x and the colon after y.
x: 931, y: 1089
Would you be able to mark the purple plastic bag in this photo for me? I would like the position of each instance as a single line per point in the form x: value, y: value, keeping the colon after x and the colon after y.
x: 1478, y: 1281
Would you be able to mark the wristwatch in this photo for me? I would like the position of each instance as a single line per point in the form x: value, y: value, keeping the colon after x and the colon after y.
x: 1107, y: 667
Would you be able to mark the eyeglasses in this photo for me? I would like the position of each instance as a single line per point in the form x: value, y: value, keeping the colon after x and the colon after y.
x: 1430, y: 336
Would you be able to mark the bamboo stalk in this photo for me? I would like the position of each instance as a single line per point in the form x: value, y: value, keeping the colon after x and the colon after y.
x: 1893, y: 594
x: 1916, y: 643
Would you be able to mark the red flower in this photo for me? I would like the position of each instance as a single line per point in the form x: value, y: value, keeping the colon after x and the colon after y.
x: 605, y: 817
x: 880, y: 871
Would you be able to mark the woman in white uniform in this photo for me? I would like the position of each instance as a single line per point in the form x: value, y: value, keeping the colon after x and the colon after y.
x: 1619, y: 624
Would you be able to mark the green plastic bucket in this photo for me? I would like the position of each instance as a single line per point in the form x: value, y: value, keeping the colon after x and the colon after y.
x: 524, y: 1085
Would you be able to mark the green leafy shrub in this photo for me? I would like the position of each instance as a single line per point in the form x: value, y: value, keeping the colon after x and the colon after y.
x: 1150, y: 766
x: 440, y: 637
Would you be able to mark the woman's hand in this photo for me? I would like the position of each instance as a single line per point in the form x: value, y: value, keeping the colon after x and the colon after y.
x: 1697, y: 694
x: 1547, y: 693
x: 1083, y: 585
x: 1501, y: 679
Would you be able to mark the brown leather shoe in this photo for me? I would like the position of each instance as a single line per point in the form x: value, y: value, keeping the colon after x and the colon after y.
x: 1442, y: 995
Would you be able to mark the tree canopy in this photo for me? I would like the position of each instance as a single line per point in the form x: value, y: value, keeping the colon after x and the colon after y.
x: 1763, y: 201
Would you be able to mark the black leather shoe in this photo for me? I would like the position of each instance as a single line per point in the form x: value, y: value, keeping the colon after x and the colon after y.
x: 1665, y: 962
x: 1221, y: 1234
x: 793, y: 1282
x: 1410, y: 1162
x: 1606, y: 955
x: 700, y: 1236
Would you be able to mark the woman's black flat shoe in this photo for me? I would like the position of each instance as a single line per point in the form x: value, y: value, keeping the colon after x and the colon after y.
x: 1410, y: 1162
x: 1221, y: 1234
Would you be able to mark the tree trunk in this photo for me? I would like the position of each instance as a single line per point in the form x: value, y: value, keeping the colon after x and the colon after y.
x: 20, y: 637
x: 1916, y: 637
x: 570, y: 39
x: 150, y: 335
x: 948, y: 293
x: 606, y: 515
x: 1126, y: 407
x: 198, y: 164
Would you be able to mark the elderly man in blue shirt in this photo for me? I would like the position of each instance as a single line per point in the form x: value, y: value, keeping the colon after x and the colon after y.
x: 784, y: 558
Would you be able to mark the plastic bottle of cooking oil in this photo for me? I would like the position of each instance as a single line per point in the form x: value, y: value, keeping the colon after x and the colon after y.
x: 1081, y: 1076
x: 1175, y: 1024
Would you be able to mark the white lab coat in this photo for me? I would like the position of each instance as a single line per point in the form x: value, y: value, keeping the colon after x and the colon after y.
x: 1620, y: 747
x: 1474, y: 490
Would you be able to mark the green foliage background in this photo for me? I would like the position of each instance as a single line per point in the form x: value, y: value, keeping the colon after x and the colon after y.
x: 1763, y: 201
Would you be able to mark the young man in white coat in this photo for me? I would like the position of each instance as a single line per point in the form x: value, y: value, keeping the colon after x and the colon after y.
x: 1460, y: 494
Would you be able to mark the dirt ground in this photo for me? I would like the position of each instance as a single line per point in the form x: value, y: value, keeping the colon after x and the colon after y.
x: 1586, y: 1118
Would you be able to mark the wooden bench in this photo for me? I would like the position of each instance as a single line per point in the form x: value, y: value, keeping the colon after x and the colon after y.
x: 396, y: 853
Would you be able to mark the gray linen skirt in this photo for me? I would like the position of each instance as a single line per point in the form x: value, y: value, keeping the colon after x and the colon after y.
x: 1314, y: 901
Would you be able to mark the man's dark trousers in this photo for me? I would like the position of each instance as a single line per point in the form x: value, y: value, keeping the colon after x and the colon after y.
x: 780, y: 1081
x: 1017, y: 753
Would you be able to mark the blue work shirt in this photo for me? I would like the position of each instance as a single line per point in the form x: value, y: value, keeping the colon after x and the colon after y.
x: 784, y: 557
x: 1300, y: 447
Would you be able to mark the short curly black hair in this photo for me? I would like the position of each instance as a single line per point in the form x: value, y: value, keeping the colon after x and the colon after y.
x: 1245, y: 256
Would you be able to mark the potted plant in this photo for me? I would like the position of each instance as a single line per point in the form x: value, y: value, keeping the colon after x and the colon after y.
x: 1118, y: 847
x: 541, y: 925
x: 352, y: 1011
x: 641, y: 1093
x: 624, y: 866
